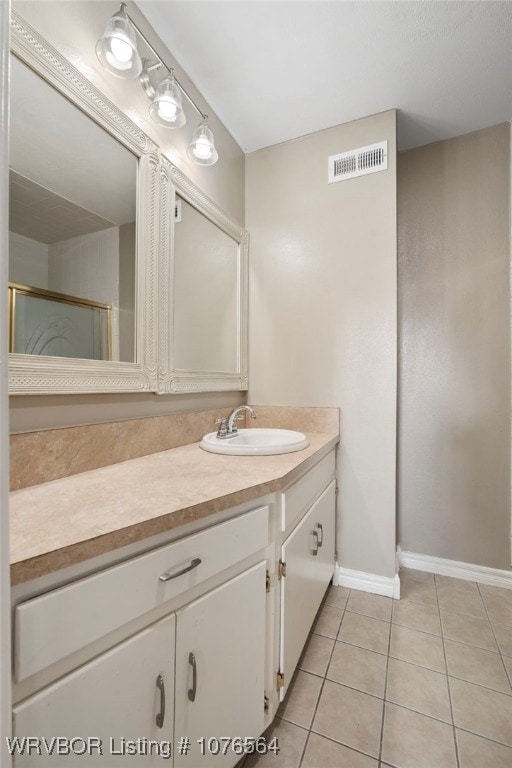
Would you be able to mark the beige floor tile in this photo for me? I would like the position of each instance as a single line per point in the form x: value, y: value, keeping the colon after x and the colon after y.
x: 475, y: 752
x: 415, y: 741
x: 417, y: 648
x: 358, y: 668
x: 461, y: 601
x: 452, y: 583
x: 418, y: 591
x: 418, y: 575
x: 324, y: 753
x: 337, y: 596
x: 418, y: 688
x: 290, y: 740
x: 316, y: 655
x: 504, y: 638
x: 365, y: 632
x: 350, y: 717
x: 507, y: 660
x: 376, y: 606
x: 424, y: 618
x: 301, y: 699
x: 468, y: 629
x: 476, y: 665
x: 499, y: 610
x: 482, y: 711
x: 487, y: 591
x: 328, y: 621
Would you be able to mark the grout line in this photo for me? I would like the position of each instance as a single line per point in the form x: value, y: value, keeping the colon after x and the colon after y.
x: 385, y: 685
x: 507, y: 675
x: 448, y: 682
x: 480, y: 685
x: 485, y: 738
x: 322, y: 686
x: 342, y: 744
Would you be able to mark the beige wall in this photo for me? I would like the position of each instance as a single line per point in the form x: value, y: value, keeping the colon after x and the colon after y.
x: 73, y: 27
x: 323, y: 315
x: 454, y: 348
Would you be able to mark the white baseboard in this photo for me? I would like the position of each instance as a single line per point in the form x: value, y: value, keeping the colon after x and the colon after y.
x: 493, y: 577
x: 367, y: 582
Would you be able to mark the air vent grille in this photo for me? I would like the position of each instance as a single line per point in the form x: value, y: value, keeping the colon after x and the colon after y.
x: 358, y: 162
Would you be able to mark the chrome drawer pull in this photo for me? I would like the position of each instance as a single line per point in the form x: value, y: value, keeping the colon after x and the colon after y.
x: 192, y: 691
x: 160, y: 684
x: 168, y: 576
x: 321, y: 529
x: 316, y: 545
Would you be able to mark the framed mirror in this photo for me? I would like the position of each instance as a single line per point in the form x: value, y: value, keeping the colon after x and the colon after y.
x: 203, y: 267
x: 83, y: 200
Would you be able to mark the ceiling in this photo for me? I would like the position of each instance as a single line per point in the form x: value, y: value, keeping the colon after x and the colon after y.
x: 57, y: 149
x: 39, y: 214
x: 276, y: 70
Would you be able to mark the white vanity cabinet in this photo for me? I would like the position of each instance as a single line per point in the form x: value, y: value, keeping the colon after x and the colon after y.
x: 307, y: 560
x: 112, y: 700
x: 207, y: 654
x: 197, y: 638
x: 220, y: 668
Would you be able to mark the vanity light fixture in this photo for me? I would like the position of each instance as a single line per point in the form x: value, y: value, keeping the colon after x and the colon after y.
x: 166, y: 108
x: 117, y: 51
x: 202, y: 148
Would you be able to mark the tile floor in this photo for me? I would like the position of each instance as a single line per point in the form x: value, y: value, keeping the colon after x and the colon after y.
x: 424, y: 682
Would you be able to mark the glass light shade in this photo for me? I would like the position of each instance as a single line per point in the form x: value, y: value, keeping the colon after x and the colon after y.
x: 166, y: 108
x: 202, y: 147
x: 117, y: 49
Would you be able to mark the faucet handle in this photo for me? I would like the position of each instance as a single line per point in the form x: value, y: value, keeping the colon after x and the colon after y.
x: 223, y: 428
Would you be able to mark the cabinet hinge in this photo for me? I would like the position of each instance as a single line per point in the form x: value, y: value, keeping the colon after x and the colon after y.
x: 280, y: 680
x: 267, y: 582
x: 336, y: 490
x: 266, y: 704
x: 282, y: 569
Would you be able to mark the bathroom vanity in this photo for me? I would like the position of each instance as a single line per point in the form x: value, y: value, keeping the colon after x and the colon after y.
x: 192, y: 629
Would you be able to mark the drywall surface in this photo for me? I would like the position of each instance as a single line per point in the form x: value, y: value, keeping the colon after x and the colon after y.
x: 323, y: 302
x: 454, y: 348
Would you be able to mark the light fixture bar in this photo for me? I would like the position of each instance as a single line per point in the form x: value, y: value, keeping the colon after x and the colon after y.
x: 162, y: 63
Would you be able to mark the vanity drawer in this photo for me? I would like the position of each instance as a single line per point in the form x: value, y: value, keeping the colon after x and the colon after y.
x: 55, y: 625
x: 297, y: 499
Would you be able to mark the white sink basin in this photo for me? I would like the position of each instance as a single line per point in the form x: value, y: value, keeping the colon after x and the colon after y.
x: 256, y: 442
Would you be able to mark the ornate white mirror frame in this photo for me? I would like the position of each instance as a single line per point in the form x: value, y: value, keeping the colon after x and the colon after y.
x: 170, y: 378
x: 31, y: 374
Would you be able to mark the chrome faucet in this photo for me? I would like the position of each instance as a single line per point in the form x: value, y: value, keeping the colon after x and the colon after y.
x: 227, y: 427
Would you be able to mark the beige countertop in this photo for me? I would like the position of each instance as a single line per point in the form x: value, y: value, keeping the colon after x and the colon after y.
x: 67, y: 521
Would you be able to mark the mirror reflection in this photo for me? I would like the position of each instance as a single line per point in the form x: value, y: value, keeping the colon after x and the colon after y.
x: 72, y: 232
x: 206, y: 293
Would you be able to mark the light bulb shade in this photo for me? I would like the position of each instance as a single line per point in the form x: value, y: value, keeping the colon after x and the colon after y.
x: 202, y: 147
x: 117, y: 49
x: 166, y: 108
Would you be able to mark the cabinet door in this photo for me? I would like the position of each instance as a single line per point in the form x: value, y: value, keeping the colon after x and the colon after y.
x: 220, y: 657
x: 309, y: 556
x: 114, y: 699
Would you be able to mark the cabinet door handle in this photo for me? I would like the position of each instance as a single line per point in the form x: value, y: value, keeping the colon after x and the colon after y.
x: 160, y: 684
x: 192, y: 691
x: 316, y: 545
x: 168, y: 576
x: 321, y: 529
